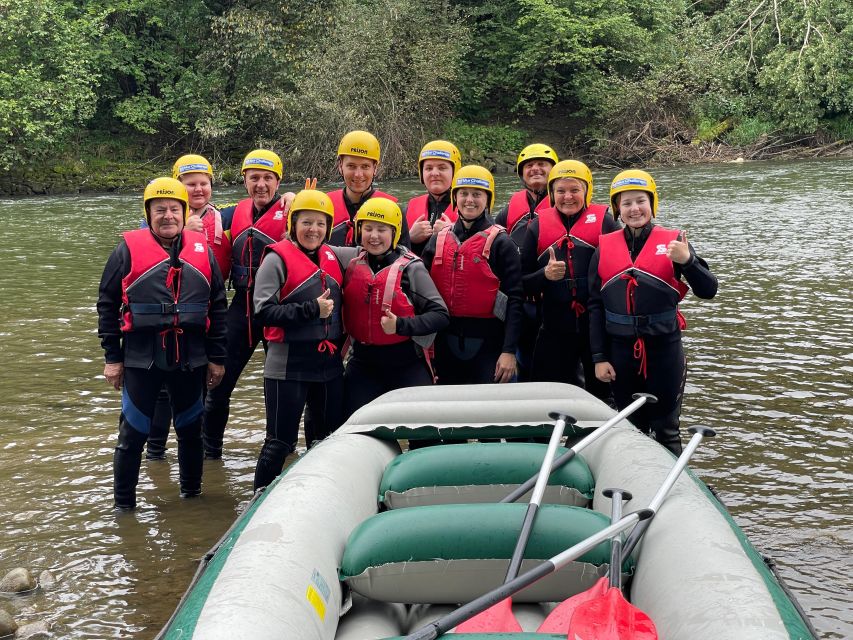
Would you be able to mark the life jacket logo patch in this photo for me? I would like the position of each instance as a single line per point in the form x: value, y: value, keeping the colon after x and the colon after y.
x: 590, y: 218
x: 330, y: 255
x: 198, y: 247
x: 279, y: 215
x: 660, y: 250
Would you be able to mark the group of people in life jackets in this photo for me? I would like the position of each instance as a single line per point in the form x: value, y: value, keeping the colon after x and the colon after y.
x: 353, y: 296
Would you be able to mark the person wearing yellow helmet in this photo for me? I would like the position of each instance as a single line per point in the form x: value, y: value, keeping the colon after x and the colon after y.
x: 555, y: 259
x: 196, y: 174
x: 429, y: 213
x: 532, y: 167
x: 391, y: 329
x: 357, y: 163
x: 255, y: 222
x: 297, y: 298
x: 161, y: 321
x: 477, y: 271
x: 637, y: 278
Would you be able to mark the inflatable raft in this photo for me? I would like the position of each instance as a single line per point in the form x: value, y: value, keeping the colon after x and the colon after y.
x: 357, y: 540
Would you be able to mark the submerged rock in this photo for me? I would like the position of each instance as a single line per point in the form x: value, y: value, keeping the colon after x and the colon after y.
x: 39, y: 629
x: 8, y: 626
x: 17, y: 581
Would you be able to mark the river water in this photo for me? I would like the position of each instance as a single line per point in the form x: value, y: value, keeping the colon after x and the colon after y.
x: 770, y: 367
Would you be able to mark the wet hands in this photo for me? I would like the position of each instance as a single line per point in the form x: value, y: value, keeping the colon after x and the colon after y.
x: 326, y: 304
x: 214, y: 374
x: 114, y: 373
x: 388, y: 322
x: 506, y: 367
x: 555, y: 269
x: 678, y: 250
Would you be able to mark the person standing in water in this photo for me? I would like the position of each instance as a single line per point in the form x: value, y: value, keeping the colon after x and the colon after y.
x: 635, y: 280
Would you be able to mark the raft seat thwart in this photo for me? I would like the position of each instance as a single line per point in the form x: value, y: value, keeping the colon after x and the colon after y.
x: 479, y: 473
x: 454, y: 553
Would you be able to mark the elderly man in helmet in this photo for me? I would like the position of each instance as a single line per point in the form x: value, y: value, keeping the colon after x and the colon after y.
x: 161, y: 320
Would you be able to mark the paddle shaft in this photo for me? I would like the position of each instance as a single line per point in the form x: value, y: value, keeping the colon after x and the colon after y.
x: 536, y: 498
x: 446, y: 623
x: 567, y: 457
x: 699, y: 433
x: 616, y: 497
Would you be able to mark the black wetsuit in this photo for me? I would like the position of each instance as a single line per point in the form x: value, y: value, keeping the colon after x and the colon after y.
x: 666, y: 366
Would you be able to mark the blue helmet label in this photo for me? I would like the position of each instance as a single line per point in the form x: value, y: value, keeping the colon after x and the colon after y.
x: 255, y: 161
x: 435, y: 153
x: 625, y: 182
x: 187, y: 168
x: 473, y: 182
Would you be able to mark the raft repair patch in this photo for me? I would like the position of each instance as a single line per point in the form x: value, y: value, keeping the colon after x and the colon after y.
x: 318, y: 594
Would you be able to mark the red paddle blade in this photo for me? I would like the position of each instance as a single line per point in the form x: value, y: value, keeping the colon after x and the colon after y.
x: 498, y: 618
x: 611, y: 617
x: 558, y: 620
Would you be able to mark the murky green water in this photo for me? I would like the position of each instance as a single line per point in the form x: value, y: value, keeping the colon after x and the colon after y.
x: 771, y: 367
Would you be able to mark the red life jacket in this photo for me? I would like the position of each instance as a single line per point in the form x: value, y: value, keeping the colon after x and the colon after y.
x: 640, y: 297
x: 462, y: 274
x: 305, y: 281
x: 575, y: 248
x: 519, y: 213
x: 418, y: 210
x: 342, y: 228
x: 158, y: 295
x: 368, y: 295
x: 248, y: 239
x: 217, y: 239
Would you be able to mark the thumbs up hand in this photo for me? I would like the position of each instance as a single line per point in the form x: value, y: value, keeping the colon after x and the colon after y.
x: 326, y: 304
x: 555, y: 269
x: 388, y: 322
x: 678, y: 250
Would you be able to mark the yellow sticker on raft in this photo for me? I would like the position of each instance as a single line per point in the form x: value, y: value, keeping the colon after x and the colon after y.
x: 316, y: 601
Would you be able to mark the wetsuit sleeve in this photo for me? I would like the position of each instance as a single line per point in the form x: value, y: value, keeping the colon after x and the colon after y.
x: 506, y: 265
x: 268, y: 281
x: 502, y: 215
x: 110, y: 301
x: 595, y: 306
x: 431, y: 314
x: 345, y: 255
x: 698, y: 275
x: 534, y: 276
x: 216, y: 338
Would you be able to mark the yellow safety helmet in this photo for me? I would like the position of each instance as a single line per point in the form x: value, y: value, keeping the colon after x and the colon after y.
x: 379, y: 210
x: 262, y: 159
x: 360, y: 144
x: 473, y: 176
x: 191, y: 163
x: 634, y: 180
x: 535, y: 152
x: 165, y: 188
x: 311, y: 200
x: 439, y: 150
x: 570, y: 169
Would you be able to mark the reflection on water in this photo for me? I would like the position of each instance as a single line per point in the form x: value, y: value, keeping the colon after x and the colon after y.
x: 771, y: 367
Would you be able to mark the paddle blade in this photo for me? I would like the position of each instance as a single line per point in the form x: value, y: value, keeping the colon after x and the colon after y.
x: 558, y: 620
x: 611, y: 617
x: 498, y: 618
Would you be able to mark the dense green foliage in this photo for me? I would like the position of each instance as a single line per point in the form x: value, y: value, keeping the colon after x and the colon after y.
x: 219, y: 76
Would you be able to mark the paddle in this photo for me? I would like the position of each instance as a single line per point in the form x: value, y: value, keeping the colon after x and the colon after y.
x: 457, y: 616
x: 500, y: 617
x: 639, y: 400
x: 561, y: 619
